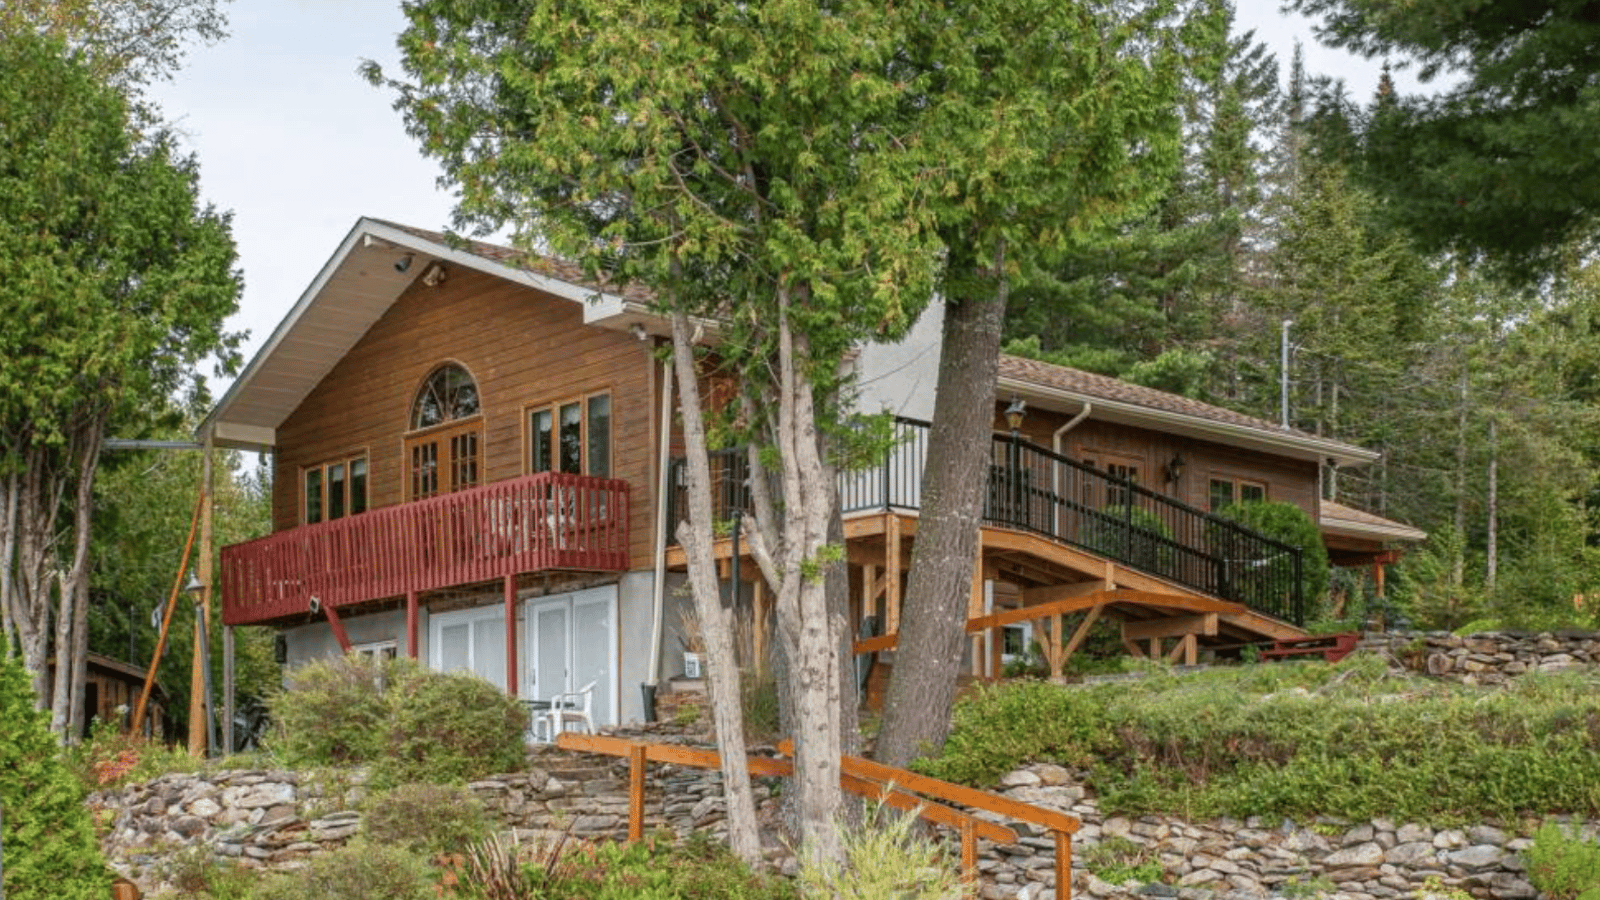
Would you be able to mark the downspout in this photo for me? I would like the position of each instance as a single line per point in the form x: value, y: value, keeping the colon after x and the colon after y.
x: 1055, y: 447
x: 662, y: 488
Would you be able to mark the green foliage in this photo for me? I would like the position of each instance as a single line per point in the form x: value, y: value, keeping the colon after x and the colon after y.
x: 425, y: 818
x: 759, y: 695
x: 112, y: 757
x: 1564, y: 866
x: 886, y: 858
x: 1256, y: 741
x: 49, y: 843
x: 357, y: 871
x: 1131, y: 534
x: 330, y: 712
x: 1288, y: 524
x: 194, y: 874
x: 1119, y: 860
x: 410, y: 724
x: 653, y: 869
x: 447, y: 727
x: 1490, y: 164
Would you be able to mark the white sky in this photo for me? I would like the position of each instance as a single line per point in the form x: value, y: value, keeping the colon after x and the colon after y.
x: 299, y: 146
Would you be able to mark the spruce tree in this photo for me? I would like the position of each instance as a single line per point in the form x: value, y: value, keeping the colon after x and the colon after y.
x: 49, y: 846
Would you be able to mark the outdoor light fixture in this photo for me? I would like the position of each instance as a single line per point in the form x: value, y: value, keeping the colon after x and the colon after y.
x: 637, y: 329
x: 193, y: 587
x: 433, y: 276
x: 1175, y: 467
x: 403, y: 263
x: 1014, y: 414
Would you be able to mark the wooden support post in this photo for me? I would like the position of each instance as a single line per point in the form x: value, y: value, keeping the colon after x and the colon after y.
x: 1186, y: 647
x: 411, y: 625
x: 509, y: 588
x: 891, y: 572
x: 1155, y: 648
x: 969, y: 856
x: 1082, y: 634
x: 759, y: 627
x: 1063, y: 865
x: 227, y: 690
x: 869, y: 589
x: 338, y: 629
x: 1134, y: 650
x: 1379, y: 571
x: 199, y: 702
x: 636, y: 764
x: 974, y: 610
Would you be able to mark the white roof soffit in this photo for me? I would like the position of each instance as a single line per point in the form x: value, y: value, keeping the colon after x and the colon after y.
x: 354, y: 288
x: 1294, y: 444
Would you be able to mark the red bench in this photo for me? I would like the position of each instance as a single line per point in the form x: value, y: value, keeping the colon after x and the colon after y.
x: 1331, y: 647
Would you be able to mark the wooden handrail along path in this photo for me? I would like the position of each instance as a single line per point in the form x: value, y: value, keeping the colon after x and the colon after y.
x: 895, y: 787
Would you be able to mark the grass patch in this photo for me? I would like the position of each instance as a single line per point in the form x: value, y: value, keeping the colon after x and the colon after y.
x: 1297, y: 740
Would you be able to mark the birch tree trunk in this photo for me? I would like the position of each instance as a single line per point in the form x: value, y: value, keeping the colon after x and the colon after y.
x: 716, y: 624
x: 1491, y: 552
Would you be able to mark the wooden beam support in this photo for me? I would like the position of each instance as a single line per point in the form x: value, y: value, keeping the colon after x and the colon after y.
x: 411, y: 625
x: 1177, y: 626
x: 509, y: 591
x: 891, y: 572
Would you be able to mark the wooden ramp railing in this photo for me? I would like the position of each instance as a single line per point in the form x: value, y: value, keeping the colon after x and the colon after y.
x: 894, y: 787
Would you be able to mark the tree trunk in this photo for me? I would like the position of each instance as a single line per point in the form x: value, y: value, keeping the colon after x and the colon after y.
x: 916, y: 714
x: 1491, y: 562
x: 1458, y: 566
x: 715, y: 625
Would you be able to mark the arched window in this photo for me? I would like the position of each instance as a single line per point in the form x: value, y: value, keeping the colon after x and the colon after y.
x: 448, y: 455
x: 448, y: 394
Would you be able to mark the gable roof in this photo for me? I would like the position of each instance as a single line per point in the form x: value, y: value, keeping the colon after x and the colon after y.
x: 1336, y: 518
x: 1119, y: 401
x: 354, y: 288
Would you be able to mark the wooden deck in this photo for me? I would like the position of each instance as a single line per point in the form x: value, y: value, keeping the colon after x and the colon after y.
x: 537, y: 523
x: 1060, y: 589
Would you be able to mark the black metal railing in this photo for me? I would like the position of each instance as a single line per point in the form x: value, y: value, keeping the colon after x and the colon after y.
x: 1033, y: 489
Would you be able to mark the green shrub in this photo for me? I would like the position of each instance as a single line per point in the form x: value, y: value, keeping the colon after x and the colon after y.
x: 1288, y: 524
x: 1348, y: 740
x: 330, y: 712
x: 1119, y: 860
x: 759, y: 697
x: 1133, y: 535
x: 48, y: 837
x: 357, y: 871
x: 410, y: 724
x: 653, y: 869
x: 1564, y: 866
x: 194, y: 874
x: 448, y: 727
x: 111, y: 758
x: 884, y: 859
x: 425, y: 818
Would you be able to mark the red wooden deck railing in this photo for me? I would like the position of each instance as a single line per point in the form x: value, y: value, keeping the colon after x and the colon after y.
x: 529, y: 524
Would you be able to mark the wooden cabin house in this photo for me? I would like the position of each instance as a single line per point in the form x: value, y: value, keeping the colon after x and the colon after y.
x: 474, y: 465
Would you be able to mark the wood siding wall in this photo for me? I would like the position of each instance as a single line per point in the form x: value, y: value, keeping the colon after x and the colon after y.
x: 1290, y: 480
x: 523, y: 347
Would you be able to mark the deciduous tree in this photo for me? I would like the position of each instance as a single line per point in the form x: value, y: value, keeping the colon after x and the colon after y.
x: 114, y: 281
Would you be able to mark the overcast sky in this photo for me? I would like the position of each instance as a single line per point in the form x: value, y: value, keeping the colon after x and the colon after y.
x: 298, y: 146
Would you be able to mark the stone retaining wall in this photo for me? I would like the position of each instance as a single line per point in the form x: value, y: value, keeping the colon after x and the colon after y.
x: 1488, y: 658
x: 277, y: 819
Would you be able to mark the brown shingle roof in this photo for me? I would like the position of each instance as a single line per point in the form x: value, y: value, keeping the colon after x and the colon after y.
x: 1104, y: 387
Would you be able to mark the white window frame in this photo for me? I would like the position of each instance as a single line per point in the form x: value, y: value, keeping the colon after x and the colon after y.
x: 438, y: 622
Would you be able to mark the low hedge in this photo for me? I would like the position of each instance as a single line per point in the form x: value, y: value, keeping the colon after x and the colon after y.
x: 1297, y: 740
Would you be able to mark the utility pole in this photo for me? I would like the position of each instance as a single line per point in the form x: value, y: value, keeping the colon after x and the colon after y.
x: 1283, y: 375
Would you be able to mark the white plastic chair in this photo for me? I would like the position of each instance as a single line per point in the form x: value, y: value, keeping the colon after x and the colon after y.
x: 570, y: 711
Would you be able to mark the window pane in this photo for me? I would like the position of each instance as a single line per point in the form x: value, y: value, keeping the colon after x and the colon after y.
x: 336, y: 491
x: 1249, y: 492
x: 539, y: 440
x: 358, y: 486
x: 1221, y: 493
x: 571, y: 447
x: 455, y: 651
x: 600, y: 436
x: 313, y: 495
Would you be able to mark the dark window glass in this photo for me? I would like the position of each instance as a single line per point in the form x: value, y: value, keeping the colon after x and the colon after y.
x: 1221, y: 493
x: 1248, y: 492
x: 539, y: 440
x: 600, y: 436
x: 571, y: 446
x: 313, y: 495
x: 336, y: 488
x: 448, y: 394
x: 358, y: 486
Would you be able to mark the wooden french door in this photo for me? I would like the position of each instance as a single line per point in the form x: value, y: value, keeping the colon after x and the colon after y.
x: 444, y: 460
